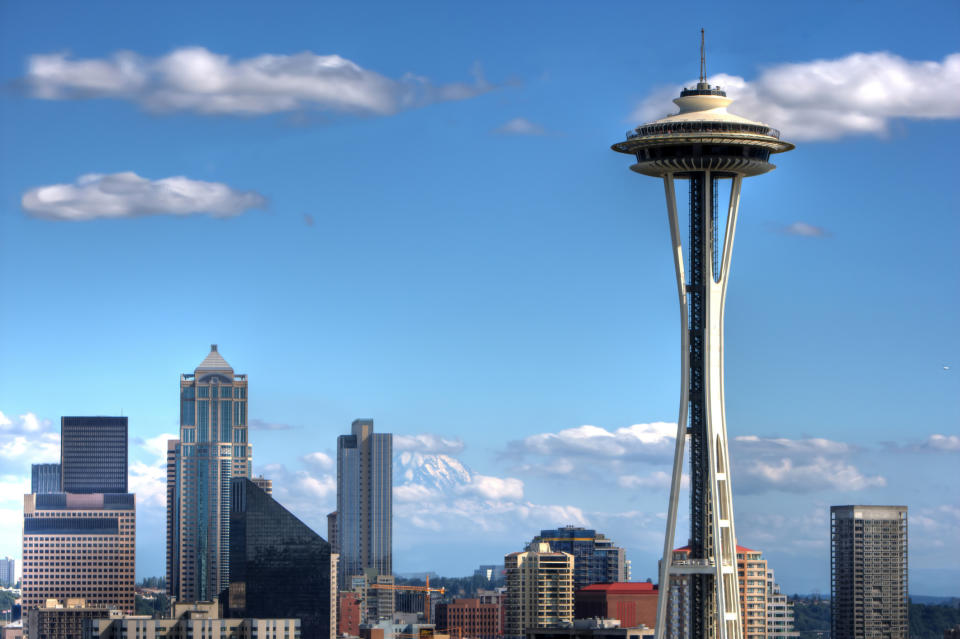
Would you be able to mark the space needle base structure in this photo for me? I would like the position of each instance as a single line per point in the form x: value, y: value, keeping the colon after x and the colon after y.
x: 703, y: 144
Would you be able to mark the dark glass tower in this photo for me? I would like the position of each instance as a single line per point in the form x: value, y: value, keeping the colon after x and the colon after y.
x: 93, y: 454
x: 279, y: 567
x: 596, y: 559
x: 45, y: 478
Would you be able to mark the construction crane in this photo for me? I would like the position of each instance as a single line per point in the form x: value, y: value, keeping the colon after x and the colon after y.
x: 424, y: 589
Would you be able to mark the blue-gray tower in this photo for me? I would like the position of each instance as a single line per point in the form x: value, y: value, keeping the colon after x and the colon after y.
x: 703, y: 144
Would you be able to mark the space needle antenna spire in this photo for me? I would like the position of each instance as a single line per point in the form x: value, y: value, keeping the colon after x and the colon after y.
x: 703, y: 60
x: 702, y: 147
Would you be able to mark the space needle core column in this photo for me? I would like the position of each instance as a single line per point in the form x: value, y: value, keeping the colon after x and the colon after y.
x: 703, y: 144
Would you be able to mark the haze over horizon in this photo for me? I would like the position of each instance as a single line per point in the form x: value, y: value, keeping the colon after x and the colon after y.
x: 412, y: 214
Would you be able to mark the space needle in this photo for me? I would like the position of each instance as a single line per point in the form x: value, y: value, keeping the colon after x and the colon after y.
x: 703, y: 144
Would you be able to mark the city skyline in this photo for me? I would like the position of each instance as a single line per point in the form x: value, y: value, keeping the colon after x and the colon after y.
x: 456, y: 257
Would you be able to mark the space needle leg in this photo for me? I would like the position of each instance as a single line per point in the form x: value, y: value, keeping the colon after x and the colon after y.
x: 663, y: 596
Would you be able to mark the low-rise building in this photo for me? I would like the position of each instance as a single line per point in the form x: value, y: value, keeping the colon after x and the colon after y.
x: 470, y: 619
x: 590, y: 629
x: 190, y: 620
x: 632, y: 603
x: 61, y: 619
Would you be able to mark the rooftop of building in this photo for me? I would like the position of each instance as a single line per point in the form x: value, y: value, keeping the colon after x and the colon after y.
x: 214, y: 361
x: 740, y: 549
x: 622, y: 587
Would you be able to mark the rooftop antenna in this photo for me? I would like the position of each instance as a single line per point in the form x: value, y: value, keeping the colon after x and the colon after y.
x: 703, y: 61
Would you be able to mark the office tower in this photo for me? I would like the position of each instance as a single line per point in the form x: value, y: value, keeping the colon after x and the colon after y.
x: 264, y: 484
x: 539, y: 589
x: 364, y: 501
x: 633, y: 604
x: 45, y: 478
x: 79, y: 546
x: 211, y: 451
x: 779, y: 612
x: 93, y: 454
x: 596, y: 559
x: 469, y: 618
x: 201, y: 620
x: 8, y: 571
x: 332, y: 530
x: 752, y: 583
x: 173, y: 519
x: 868, y: 572
x: 707, y: 147
x: 278, y: 566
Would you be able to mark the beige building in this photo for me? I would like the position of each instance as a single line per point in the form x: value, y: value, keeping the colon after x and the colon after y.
x: 194, y: 620
x: 79, y: 546
x: 779, y: 612
x: 539, y: 589
x: 752, y: 579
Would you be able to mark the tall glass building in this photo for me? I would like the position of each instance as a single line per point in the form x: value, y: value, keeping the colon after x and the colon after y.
x: 596, y: 559
x: 93, y: 454
x: 279, y: 567
x: 45, y: 478
x: 365, y: 502
x: 211, y: 451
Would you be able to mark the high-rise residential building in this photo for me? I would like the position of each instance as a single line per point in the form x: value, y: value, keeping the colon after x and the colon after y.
x: 752, y: 582
x: 93, y: 454
x: 278, y: 565
x: 173, y: 518
x: 779, y: 612
x: 596, y: 559
x: 539, y: 589
x: 8, y: 571
x: 364, y: 522
x: 45, y: 478
x: 469, y: 618
x: 211, y: 451
x: 868, y: 572
x: 79, y: 546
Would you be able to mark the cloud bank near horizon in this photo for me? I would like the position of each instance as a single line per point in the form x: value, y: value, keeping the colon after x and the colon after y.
x: 860, y: 94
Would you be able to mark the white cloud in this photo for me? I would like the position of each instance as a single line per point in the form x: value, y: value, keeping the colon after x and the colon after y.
x: 654, y: 441
x: 428, y: 443
x: 942, y: 443
x: 120, y: 195
x: 656, y: 479
x: 490, y: 487
x: 197, y: 80
x: 26, y: 423
x: 149, y: 482
x: 318, y: 459
x: 827, y: 99
x: 321, y: 487
x: 260, y: 424
x: 520, y: 126
x: 414, y: 493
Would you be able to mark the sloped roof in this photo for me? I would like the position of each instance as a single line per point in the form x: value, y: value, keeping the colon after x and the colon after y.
x: 214, y: 362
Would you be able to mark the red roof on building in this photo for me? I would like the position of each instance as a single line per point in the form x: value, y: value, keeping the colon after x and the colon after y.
x: 623, y: 587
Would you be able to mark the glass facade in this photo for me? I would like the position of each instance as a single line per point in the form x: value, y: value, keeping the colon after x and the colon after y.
x: 45, y: 478
x: 279, y: 567
x: 365, y: 501
x: 596, y: 559
x: 212, y: 424
x: 93, y: 454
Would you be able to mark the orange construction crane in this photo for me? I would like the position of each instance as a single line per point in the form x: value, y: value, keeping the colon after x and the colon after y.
x: 424, y: 589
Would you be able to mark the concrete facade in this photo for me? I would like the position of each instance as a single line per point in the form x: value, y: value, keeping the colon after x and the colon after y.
x: 539, y: 589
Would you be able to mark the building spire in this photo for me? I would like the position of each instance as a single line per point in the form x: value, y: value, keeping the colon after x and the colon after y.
x: 703, y: 60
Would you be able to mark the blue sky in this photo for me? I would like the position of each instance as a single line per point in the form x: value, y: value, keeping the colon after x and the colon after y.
x: 430, y: 230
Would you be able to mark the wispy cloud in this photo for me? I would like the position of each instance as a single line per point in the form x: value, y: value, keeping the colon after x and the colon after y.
x: 197, y: 80
x: 935, y: 443
x: 828, y: 99
x: 805, y: 230
x: 260, y: 424
x: 121, y: 195
x: 520, y: 126
x: 652, y: 442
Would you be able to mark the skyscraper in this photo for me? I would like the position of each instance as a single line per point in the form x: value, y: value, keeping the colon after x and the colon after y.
x: 596, y: 559
x: 868, y: 572
x: 278, y: 566
x: 211, y: 451
x: 79, y: 546
x: 8, y: 571
x: 45, y: 478
x: 707, y: 147
x: 93, y: 454
x: 539, y: 589
x: 364, y: 522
